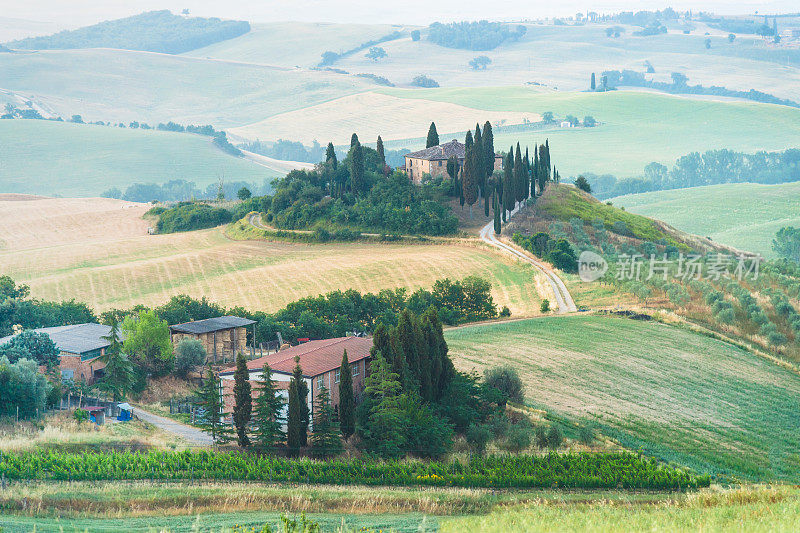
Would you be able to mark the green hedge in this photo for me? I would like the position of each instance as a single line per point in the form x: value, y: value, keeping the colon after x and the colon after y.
x: 582, y: 470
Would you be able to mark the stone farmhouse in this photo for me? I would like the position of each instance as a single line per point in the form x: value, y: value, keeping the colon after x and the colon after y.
x: 79, y: 345
x: 223, y: 337
x: 433, y: 160
x: 320, y: 361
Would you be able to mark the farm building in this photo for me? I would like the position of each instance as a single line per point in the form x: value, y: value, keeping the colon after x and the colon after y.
x: 223, y: 337
x: 79, y: 345
x: 433, y: 160
x: 320, y: 361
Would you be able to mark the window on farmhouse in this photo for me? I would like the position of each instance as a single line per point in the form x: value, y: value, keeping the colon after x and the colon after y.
x: 354, y: 368
x: 338, y: 373
x: 320, y: 382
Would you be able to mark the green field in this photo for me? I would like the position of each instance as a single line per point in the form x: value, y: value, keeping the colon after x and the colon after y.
x: 743, y: 215
x: 669, y: 392
x: 58, y: 158
x: 290, y: 44
x: 153, y: 87
x: 636, y: 127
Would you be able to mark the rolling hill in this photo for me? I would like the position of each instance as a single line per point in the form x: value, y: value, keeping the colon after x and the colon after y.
x: 635, y: 128
x: 59, y: 158
x: 742, y: 215
x: 56, y: 249
x: 672, y: 393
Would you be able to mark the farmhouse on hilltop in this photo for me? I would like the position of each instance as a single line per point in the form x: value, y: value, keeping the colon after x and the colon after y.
x: 320, y: 361
x: 433, y: 160
x: 79, y: 346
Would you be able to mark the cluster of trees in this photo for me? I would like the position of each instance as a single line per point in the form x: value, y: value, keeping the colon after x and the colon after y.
x: 424, y: 81
x: 501, y: 192
x: 179, y: 191
x: 287, y: 150
x: 359, y: 192
x: 153, y: 31
x: 23, y: 389
x: 559, y: 252
x: 709, y: 168
x: 17, y: 308
x: 188, y: 216
x: 679, y: 85
x: 329, y: 57
x: 482, y: 35
x: 753, y: 27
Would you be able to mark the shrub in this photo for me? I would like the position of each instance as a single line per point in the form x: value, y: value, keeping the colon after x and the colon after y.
x: 478, y: 436
x: 189, y: 354
x: 726, y: 316
x: 545, y: 307
x: 505, y: 380
x: 776, y: 339
x: 541, y: 437
x: 518, y: 438
x: 586, y: 435
x: 554, y: 437
x: 22, y: 387
x: 188, y: 216
x: 81, y: 415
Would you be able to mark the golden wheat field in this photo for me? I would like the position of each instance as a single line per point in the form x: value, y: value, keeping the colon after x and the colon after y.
x: 98, y: 251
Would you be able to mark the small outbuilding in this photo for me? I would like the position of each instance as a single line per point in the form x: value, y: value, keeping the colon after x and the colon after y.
x: 97, y: 414
x: 125, y: 412
x: 223, y: 337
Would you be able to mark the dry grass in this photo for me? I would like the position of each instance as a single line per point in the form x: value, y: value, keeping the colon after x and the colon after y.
x: 109, y: 261
x: 371, y: 114
x: 62, y: 431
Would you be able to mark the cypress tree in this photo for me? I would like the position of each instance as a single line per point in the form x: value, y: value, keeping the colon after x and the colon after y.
x: 442, y: 369
x: 293, y: 439
x: 330, y: 156
x: 480, y: 170
x: 243, y: 401
x: 381, y: 156
x: 382, y: 429
x: 593, y: 83
x: 353, y: 140
x: 212, y: 404
x: 325, y: 439
x: 535, y: 171
x: 526, y: 165
x: 357, y: 169
x: 305, y: 411
x: 496, y: 207
x: 433, y: 137
x: 468, y: 174
x: 347, y: 405
x: 405, y: 342
x: 268, y: 433
x: 519, y: 176
x: 509, y: 190
x: 488, y: 161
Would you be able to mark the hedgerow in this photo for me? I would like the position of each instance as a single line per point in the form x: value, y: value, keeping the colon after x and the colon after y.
x: 581, y: 470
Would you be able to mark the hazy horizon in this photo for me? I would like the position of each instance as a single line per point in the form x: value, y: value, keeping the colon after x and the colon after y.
x: 84, y: 12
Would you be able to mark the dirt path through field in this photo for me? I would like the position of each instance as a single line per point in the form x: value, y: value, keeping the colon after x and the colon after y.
x: 191, y: 434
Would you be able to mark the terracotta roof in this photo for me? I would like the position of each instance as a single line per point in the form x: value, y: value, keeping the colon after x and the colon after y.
x: 316, y: 357
x: 442, y: 151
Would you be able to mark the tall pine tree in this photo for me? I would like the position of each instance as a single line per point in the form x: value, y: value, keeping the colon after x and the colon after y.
x: 268, y: 432
x: 243, y: 401
x: 347, y: 404
x: 433, y: 137
x: 382, y: 430
x: 325, y: 440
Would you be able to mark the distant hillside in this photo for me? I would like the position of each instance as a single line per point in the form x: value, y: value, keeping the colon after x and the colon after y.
x: 744, y: 215
x: 153, y: 31
x: 64, y: 159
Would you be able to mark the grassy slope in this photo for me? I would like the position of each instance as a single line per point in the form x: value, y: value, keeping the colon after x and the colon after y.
x: 564, y: 57
x: 290, y: 44
x: 745, y: 215
x: 156, y: 87
x: 672, y: 393
x: 637, y: 128
x: 125, y: 266
x: 56, y: 158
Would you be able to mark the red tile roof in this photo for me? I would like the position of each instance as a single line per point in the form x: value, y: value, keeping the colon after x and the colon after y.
x: 316, y: 357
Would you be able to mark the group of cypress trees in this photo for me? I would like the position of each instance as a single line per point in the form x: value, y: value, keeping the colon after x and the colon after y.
x: 358, y: 182
x: 520, y: 179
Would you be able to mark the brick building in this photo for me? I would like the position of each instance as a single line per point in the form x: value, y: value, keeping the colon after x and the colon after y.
x: 223, y: 337
x: 79, y: 347
x: 320, y: 361
x: 433, y: 160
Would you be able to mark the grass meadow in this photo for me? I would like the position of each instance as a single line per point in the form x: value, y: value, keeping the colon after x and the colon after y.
x: 65, y: 159
x: 742, y: 215
x: 61, y: 257
x: 664, y: 390
x: 636, y: 127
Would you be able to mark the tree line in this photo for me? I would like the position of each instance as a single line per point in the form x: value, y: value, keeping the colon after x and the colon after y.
x: 481, y: 35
